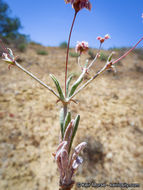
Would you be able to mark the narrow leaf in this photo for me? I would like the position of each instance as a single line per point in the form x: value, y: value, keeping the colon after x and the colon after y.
x: 64, y: 160
x: 76, y: 123
x: 68, y: 82
x: 58, y: 86
x: 62, y: 122
x: 77, y: 151
x: 76, y: 84
x: 60, y: 146
x: 110, y: 57
x: 10, y: 53
x: 67, y: 121
x: 77, y: 162
x: 69, y: 131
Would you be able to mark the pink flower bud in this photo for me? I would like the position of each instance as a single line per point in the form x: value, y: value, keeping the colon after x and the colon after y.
x: 106, y: 37
x: 98, y: 38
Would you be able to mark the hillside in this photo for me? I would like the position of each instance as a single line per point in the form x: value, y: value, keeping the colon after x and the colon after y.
x: 111, y: 110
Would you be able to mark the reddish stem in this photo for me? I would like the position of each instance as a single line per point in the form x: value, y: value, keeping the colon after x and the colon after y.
x: 67, y: 55
x: 127, y: 52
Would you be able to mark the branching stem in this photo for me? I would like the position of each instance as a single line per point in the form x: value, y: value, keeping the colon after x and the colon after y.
x: 128, y: 51
x: 103, y: 69
x: 89, y: 81
x: 38, y: 80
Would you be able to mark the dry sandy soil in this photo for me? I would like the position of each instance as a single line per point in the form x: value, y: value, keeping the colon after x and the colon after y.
x: 111, y: 110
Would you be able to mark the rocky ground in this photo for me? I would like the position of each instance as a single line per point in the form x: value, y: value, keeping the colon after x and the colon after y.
x: 111, y: 110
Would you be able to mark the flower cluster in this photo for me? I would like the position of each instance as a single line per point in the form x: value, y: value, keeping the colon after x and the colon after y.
x: 101, y: 39
x: 82, y: 47
x: 79, y: 4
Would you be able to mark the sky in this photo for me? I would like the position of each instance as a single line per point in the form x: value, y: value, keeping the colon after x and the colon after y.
x: 48, y: 21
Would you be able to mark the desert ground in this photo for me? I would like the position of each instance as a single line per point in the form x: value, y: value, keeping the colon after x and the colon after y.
x: 111, y: 110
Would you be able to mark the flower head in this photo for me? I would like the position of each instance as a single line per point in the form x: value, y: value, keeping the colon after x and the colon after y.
x: 79, y: 4
x: 82, y: 47
x: 101, y: 39
x: 106, y: 37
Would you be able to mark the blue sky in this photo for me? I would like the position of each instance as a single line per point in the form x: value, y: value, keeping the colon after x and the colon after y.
x: 48, y: 22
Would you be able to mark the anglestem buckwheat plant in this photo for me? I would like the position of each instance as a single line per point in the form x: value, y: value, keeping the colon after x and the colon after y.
x: 68, y: 159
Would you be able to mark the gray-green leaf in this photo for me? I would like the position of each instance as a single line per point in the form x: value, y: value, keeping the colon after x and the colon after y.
x: 58, y: 86
x: 67, y: 120
x: 110, y: 57
x: 76, y: 84
x: 62, y: 122
x: 76, y: 123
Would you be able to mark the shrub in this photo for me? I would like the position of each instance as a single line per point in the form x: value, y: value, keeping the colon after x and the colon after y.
x: 9, y: 28
x: 91, y: 54
x: 34, y: 43
x: 103, y: 57
x: 22, y: 47
x: 63, y: 45
x: 139, y: 52
x: 42, y: 52
x: 74, y: 54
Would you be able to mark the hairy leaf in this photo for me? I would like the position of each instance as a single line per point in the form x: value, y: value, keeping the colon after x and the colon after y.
x: 58, y: 86
x: 69, y: 131
x: 67, y: 120
x: 110, y: 57
x: 76, y: 123
x: 62, y: 122
x: 76, y: 84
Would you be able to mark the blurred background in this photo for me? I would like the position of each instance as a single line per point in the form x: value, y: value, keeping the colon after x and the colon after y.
x: 111, y: 114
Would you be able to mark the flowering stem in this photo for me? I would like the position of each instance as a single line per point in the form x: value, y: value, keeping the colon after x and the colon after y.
x: 38, y: 80
x: 103, y: 69
x: 67, y: 55
x: 127, y: 52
